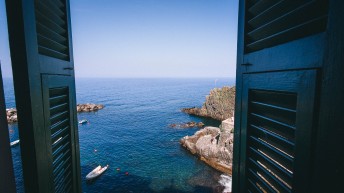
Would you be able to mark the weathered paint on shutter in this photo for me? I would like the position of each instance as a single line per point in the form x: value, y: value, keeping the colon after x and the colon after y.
x: 43, y: 69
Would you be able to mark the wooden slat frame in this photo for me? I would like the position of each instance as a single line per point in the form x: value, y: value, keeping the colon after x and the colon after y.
x: 303, y: 83
x: 57, y: 81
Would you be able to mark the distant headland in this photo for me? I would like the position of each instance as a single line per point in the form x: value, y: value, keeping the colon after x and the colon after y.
x: 219, y: 104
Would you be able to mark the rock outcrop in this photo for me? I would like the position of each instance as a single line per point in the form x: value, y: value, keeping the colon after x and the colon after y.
x: 219, y: 104
x: 88, y: 107
x: 187, y: 125
x: 11, y: 115
x: 213, y: 145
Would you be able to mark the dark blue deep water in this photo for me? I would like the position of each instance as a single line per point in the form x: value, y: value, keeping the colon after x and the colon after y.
x: 132, y: 133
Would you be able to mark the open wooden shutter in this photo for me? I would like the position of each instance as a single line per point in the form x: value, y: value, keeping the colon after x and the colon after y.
x: 60, y: 138
x: 43, y: 70
x: 281, y: 51
x: 277, y: 122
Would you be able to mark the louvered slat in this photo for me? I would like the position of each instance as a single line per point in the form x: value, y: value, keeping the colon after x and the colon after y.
x: 277, y: 156
x: 58, y: 116
x: 267, y: 176
x: 51, y: 26
x: 271, y: 140
x: 60, y: 139
x: 269, y: 23
x: 273, y: 166
x: 278, y: 8
x: 283, y: 129
x: 258, y: 182
x: 275, y: 140
x: 259, y: 6
x: 252, y: 187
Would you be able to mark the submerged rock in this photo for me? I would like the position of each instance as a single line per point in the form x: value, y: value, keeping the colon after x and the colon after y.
x: 209, y: 178
x: 213, y: 145
x: 187, y: 125
x: 88, y: 107
x: 219, y: 104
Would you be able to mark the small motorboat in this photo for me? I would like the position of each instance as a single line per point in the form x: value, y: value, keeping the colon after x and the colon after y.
x: 83, y: 121
x: 14, y: 143
x: 96, y: 172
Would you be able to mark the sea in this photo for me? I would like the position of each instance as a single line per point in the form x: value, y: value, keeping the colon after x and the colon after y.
x: 132, y: 134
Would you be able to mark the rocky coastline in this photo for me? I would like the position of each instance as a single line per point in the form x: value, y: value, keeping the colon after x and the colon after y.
x: 213, y: 145
x: 88, y: 107
x: 219, y: 104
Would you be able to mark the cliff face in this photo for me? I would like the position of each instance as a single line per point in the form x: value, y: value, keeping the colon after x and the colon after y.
x: 213, y: 145
x: 219, y: 104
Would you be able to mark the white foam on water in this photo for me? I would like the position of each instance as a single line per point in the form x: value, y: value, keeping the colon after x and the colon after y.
x: 226, y: 182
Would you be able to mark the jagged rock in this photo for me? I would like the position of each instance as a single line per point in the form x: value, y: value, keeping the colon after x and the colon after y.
x: 187, y: 125
x: 88, y: 107
x: 228, y: 125
x: 200, y: 124
x: 213, y: 145
x: 219, y: 104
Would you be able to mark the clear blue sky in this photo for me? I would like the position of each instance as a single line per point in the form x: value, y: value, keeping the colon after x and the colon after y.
x: 148, y: 38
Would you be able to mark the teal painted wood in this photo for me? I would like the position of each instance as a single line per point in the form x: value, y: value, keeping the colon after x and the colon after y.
x: 328, y: 164
x: 236, y: 183
x: 62, y: 132
x: 302, y: 84
x: 7, y: 183
x: 36, y: 45
x: 304, y: 51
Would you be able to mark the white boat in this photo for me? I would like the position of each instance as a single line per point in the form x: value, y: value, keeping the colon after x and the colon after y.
x: 83, y: 121
x: 96, y: 172
x: 13, y: 143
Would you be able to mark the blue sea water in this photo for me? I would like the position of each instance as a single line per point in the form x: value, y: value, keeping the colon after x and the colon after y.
x: 132, y: 133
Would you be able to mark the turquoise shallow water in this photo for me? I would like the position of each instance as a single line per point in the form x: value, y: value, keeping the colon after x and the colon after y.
x: 132, y: 133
